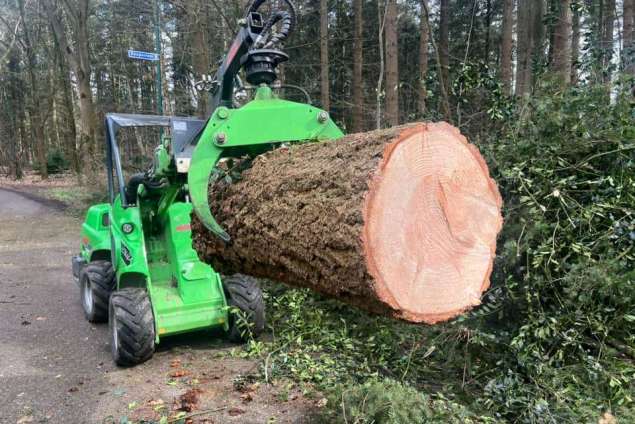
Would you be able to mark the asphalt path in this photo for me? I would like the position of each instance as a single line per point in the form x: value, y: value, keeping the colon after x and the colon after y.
x: 55, y: 367
x: 53, y: 363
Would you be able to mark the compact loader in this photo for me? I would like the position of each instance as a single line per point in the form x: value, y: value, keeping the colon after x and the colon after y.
x: 136, y: 268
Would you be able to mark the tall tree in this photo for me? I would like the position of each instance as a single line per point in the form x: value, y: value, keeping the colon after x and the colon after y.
x: 358, y: 58
x: 392, y: 64
x: 14, y: 109
x: 67, y: 105
x: 530, y: 35
x: 488, y: 26
x: 629, y: 46
x: 78, y: 57
x: 507, y: 45
x: 198, y: 18
x: 575, y: 42
x: 444, y: 43
x: 561, y: 64
x: 423, y: 58
x: 37, y: 114
x: 324, y: 55
x: 608, y: 27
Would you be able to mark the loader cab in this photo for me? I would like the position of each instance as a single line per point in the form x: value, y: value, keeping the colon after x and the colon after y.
x: 179, y: 136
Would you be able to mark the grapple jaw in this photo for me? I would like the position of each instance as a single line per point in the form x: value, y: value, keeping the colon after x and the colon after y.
x: 258, y: 126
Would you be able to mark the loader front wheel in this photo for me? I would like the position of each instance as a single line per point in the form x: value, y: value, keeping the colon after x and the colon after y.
x: 131, y: 327
x: 247, y: 307
x: 96, y: 282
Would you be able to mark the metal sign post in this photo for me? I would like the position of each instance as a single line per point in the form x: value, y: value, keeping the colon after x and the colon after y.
x: 154, y: 57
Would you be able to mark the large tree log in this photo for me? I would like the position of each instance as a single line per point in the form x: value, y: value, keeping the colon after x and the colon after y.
x: 401, y: 222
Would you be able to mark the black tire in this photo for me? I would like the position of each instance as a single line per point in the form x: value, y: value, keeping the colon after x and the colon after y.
x: 96, y: 283
x: 131, y: 327
x: 247, y: 307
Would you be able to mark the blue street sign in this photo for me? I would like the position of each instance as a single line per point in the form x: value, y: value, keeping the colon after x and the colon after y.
x: 134, y: 54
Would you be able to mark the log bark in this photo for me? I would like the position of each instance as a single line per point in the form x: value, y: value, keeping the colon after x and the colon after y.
x: 400, y: 222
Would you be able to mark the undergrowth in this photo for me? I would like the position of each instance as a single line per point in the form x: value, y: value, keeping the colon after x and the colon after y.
x: 553, y: 341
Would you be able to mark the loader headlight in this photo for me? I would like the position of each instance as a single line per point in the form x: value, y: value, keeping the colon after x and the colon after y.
x: 127, y: 228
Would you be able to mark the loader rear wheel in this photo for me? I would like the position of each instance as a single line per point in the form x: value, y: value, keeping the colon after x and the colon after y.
x: 96, y: 282
x: 131, y: 327
x: 247, y: 307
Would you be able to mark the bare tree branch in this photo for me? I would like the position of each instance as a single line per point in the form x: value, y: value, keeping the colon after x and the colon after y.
x: 9, y: 46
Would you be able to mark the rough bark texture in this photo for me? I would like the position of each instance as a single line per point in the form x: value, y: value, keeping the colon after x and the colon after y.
x: 392, y: 65
x: 36, y: 112
x: 401, y: 222
x: 507, y: 45
x: 423, y: 59
x: 444, y: 43
x: 629, y: 47
x: 358, y: 61
x: 575, y: 45
x: 79, y: 61
x: 562, y: 43
x: 530, y: 40
x: 201, y: 62
x: 523, y: 68
x: 324, y: 55
x: 608, y: 27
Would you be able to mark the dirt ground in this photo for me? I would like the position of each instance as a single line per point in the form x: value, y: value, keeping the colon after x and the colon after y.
x: 55, y: 367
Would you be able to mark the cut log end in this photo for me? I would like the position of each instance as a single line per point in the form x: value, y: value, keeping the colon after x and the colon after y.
x: 401, y: 222
x: 432, y: 215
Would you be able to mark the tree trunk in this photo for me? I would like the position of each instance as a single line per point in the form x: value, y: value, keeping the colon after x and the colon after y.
x: 488, y: 25
x: 70, y: 140
x: 561, y: 64
x: 530, y: 42
x: 392, y: 64
x: 444, y: 43
x: 423, y: 59
x: 524, y: 49
x: 79, y: 61
x: 380, y: 78
x: 507, y: 46
x: 629, y: 46
x: 400, y: 222
x: 197, y: 18
x: 324, y: 55
x: 14, y: 108
x: 575, y: 45
x: 36, y: 113
x: 358, y: 59
x: 608, y: 26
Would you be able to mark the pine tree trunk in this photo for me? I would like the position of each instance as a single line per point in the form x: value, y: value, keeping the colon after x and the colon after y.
x: 392, y: 64
x: 36, y: 115
x: 79, y: 61
x: 400, y: 222
x: 561, y: 64
x: 608, y: 27
x: 423, y: 59
x: 324, y: 55
x: 358, y: 61
x: 575, y: 45
x: 523, y: 67
x: 507, y: 46
x: 629, y: 46
x: 444, y: 43
x: 197, y: 17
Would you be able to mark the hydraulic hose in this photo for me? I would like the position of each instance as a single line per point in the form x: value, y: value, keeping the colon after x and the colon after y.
x: 288, y: 19
x: 281, y: 35
x: 256, y: 5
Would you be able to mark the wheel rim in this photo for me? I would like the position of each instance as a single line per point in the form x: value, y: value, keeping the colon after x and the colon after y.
x: 87, y: 295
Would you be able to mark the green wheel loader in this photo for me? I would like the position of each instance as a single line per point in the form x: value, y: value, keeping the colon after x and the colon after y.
x: 136, y: 268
